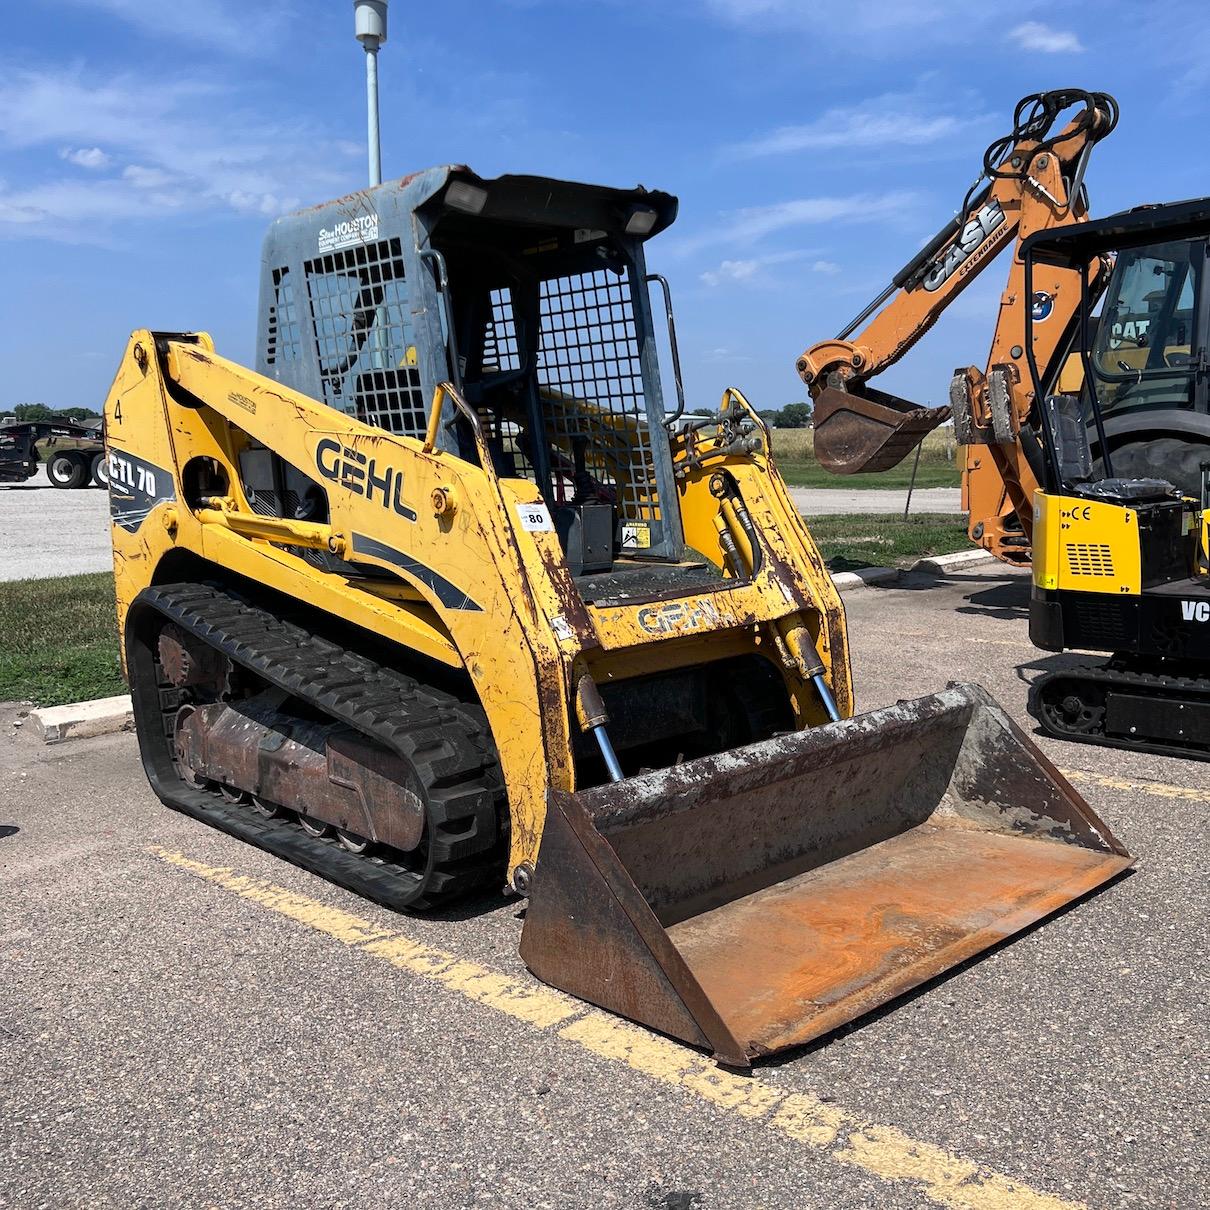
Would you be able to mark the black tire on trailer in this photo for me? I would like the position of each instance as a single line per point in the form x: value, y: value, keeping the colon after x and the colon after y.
x: 100, y: 470
x: 1176, y: 459
x: 67, y: 470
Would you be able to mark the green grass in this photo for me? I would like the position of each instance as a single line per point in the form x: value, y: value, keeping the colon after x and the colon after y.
x: 59, y: 640
x: 886, y: 539
x: 940, y: 463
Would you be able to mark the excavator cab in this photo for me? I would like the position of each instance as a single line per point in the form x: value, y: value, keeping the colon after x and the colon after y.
x: 1117, y: 553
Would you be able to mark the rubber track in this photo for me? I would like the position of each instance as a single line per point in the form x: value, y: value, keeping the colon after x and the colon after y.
x: 1119, y: 675
x: 445, y: 740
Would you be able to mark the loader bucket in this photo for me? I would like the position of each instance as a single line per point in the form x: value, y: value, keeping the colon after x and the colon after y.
x: 872, y: 431
x: 756, y: 900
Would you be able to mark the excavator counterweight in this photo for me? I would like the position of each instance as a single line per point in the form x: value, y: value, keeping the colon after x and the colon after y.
x: 442, y: 598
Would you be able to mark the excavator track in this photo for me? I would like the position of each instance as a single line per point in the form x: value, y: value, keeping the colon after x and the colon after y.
x: 445, y: 740
x: 1120, y: 706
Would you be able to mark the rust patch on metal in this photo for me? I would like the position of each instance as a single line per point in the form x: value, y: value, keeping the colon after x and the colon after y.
x: 764, y: 896
x: 324, y: 770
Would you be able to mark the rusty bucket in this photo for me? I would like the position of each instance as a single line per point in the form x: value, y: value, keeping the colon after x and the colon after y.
x: 756, y: 900
x: 872, y: 431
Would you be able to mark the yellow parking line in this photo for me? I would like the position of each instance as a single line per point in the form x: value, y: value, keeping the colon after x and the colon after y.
x: 940, y: 1176
x: 1158, y: 788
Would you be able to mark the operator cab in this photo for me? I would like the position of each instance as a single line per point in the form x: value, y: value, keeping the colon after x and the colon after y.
x: 531, y: 297
x: 1143, y: 361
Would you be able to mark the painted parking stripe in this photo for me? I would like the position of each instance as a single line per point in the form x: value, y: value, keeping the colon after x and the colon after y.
x: 1158, y: 788
x: 940, y: 1176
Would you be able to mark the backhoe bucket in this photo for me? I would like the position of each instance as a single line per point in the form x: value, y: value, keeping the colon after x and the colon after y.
x: 872, y: 431
x: 756, y: 900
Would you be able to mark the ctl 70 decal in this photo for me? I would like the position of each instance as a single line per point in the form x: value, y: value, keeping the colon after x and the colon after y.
x: 359, y: 474
x: 135, y: 488
x: 984, y: 223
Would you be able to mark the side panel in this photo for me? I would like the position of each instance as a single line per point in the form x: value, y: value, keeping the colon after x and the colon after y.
x: 1085, y: 546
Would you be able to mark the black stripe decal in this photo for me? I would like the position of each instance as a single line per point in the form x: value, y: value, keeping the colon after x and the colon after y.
x: 448, y: 594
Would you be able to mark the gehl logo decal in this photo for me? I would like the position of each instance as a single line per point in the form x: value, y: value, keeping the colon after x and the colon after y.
x: 677, y: 615
x: 1195, y: 611
x: 988, y: 219
x: 357, y: 473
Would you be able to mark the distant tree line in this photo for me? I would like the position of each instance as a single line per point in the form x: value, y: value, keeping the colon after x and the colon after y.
x: 792, y: 416
x: 40, y: 411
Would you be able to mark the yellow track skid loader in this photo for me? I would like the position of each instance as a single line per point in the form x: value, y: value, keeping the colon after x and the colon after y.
x: 443, y: 596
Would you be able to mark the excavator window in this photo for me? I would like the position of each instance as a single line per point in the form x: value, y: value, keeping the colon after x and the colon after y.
x: 1143, y: 354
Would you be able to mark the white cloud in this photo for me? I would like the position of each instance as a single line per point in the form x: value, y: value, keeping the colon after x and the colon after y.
x: 146, y: 178
x: 748, y: 270
x: 831, y: 268
x: 1034, y: 35
x: 753, y: 223
x: 188, y: 149
x: 237, y: 28
x: 85, y: 157
x: 891, y: 120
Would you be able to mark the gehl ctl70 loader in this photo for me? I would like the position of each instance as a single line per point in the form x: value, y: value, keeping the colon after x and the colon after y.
x: 443, y: 595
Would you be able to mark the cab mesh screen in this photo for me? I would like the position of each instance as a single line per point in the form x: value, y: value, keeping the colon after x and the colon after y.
x: 362, y: 331
x: 591, y: 380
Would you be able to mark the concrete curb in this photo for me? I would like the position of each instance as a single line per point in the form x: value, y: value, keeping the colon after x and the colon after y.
x: 82, y: 719
x: 865, y: 575
x: 940, y: 565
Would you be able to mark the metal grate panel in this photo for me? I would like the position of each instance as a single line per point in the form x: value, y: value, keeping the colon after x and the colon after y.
x: 1089, y: 559
x: 590, y: 371
x: 500, y: 351
x: 363, y: 332
x: 284, y: 340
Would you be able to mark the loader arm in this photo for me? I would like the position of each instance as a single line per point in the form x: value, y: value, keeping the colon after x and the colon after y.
x: 1032, y: 181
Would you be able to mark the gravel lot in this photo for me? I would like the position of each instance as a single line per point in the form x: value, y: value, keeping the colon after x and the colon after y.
x: 46, y: 531
x: 173, y: 1031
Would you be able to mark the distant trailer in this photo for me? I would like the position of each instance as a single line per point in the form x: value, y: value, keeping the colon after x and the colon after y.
x: 74, y: 455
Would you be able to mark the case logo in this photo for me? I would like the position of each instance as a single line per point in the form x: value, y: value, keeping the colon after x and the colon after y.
x: 987, y: 220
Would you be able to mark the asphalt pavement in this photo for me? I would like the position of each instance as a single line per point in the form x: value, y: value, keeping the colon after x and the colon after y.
x: 45, y: 531
x: 186, y: 1020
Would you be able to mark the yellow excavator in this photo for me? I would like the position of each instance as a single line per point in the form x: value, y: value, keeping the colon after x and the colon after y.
x: 442, y: 596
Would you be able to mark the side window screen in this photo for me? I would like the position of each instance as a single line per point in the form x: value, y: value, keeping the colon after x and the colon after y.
x: 282, y: 343
x: 363, y: 336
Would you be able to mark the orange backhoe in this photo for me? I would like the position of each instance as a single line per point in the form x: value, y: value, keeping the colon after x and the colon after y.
x: 1032, y: 180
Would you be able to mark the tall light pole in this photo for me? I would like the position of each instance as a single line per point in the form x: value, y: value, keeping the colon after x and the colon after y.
x: 370, y: 18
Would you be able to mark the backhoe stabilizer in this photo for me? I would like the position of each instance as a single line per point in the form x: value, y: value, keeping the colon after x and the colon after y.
x: 756, y: 900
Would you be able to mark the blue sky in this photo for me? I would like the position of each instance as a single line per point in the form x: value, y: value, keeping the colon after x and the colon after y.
x: 144, y: 147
